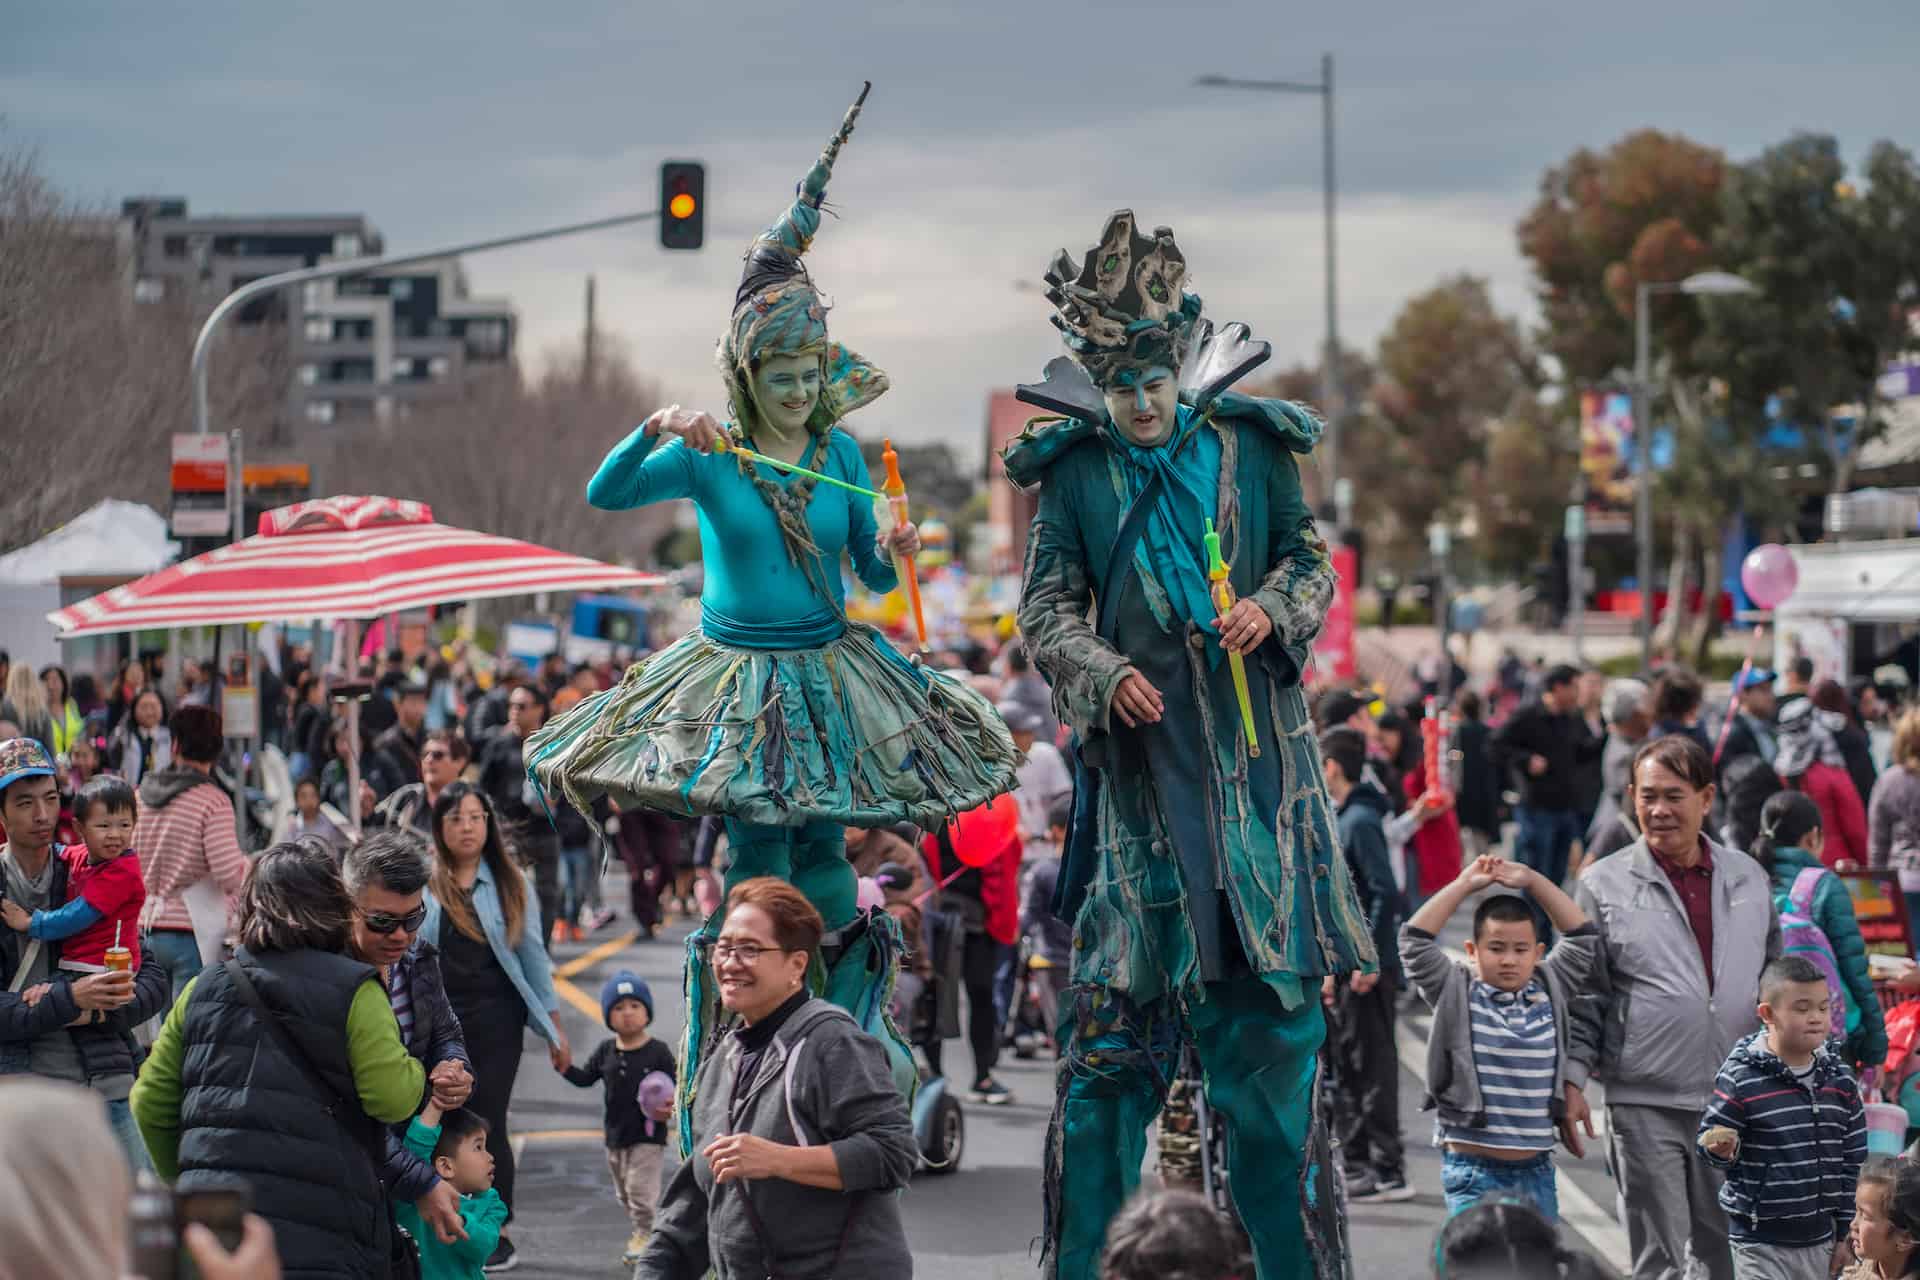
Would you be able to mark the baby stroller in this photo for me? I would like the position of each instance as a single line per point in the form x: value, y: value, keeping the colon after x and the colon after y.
x: 927, y: 1012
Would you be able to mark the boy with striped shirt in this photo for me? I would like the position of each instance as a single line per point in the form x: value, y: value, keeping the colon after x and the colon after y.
x: 1497, y: 1052
x: 1786, y: 1124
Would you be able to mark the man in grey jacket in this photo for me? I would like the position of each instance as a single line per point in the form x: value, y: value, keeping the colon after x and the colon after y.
x: 1685, y: 927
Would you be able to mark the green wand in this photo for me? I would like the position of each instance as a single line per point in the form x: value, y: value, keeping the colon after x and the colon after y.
x: 724, y: 445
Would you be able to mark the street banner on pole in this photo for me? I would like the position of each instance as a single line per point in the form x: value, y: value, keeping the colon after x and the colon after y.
x: 1333, y: 652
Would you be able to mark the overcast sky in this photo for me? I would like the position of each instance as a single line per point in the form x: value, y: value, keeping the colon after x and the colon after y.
x: 996, y: 133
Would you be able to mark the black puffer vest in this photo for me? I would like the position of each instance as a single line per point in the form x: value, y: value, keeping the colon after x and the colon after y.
x: 246, y: 1111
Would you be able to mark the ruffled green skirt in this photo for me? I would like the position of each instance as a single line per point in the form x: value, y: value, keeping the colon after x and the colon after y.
x: 850, y: 732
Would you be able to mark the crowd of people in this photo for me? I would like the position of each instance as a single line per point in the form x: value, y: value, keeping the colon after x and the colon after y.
x: 1663, y: 921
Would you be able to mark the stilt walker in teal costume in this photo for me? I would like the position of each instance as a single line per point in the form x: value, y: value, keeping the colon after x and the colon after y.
x: 777, y: 713
x: 1202, y: 879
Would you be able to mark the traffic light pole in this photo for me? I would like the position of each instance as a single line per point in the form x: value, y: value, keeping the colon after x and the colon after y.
x: 360, y: 266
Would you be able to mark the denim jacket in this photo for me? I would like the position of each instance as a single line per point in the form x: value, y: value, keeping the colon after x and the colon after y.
x: 525, y: 962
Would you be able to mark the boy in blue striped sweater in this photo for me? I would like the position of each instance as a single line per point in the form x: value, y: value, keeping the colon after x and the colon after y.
x: 1497, y: 1050
x: 1787, y: 1125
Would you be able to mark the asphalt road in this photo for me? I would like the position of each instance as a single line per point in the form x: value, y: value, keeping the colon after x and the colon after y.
x: 980, y: 1223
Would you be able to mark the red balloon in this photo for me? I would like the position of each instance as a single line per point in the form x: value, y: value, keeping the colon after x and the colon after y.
x: 981, y: 835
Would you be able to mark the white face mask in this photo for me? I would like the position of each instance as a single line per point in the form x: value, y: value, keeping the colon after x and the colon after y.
x: 1144, y: 404
x: 785, y: 391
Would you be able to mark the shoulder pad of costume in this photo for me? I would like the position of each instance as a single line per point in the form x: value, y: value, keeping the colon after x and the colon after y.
x: 1296, y: 426
x: 1046, y: 440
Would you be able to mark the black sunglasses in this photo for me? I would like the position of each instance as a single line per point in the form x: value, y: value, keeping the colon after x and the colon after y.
x: 381, y: 923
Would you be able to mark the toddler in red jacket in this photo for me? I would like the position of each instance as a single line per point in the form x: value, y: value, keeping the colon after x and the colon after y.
x: 104, y: 880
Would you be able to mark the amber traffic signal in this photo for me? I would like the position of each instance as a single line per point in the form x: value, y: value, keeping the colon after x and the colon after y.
x: 683, y: 204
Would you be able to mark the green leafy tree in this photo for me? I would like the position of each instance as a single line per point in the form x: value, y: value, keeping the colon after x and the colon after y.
x: 1837, y: 272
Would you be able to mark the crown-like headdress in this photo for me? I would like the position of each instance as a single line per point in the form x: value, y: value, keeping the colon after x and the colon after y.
x: 1123, y: 306
x: 777, y: 311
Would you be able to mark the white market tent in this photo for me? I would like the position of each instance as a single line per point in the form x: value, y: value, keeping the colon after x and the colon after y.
x: 111, y: 539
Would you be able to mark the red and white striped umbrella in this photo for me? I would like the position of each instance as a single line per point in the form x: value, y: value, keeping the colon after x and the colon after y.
x: 339, y: 558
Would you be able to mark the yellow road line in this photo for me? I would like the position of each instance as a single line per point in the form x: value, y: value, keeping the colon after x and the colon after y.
x: 577, y: 998
x: 587, y: 959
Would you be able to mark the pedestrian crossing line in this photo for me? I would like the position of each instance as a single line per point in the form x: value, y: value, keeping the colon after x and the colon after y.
x: 556, y: 1136
x: 1577, y: 1209
x: 588, y: 959
x: 576, y: 997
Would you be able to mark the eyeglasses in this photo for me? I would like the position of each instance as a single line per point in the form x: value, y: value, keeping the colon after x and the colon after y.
x: 382, y: 923
x: 744, y: 952
x: 436, y: 755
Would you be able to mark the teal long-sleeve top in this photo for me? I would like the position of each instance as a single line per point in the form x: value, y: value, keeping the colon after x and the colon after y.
x: 1833, y: 912
x: 755, y: 597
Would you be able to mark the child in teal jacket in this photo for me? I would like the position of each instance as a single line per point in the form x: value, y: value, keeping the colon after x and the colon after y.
x: 1790, y: 843
x: 455, y: 1144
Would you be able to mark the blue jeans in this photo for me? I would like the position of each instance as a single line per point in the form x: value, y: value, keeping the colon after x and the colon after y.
x: 127, y: 1133
x: 178, y: 953
x: 1467, y: 1180
x: 576, y: 872
x: 1545, y: 839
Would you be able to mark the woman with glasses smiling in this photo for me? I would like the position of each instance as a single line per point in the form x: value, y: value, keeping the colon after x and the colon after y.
x: 799, y: 1137
x: 485, y: 918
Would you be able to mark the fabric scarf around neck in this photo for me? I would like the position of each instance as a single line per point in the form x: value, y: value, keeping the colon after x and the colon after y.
x: 1170, y: 550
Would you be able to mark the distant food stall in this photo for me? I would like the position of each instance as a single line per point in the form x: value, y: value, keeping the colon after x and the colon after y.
x: 1855, y: 608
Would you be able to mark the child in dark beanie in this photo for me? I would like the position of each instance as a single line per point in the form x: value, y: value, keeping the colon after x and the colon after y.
x: 638, y: 1104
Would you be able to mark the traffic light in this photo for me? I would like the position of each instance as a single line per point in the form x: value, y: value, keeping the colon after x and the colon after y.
x: 683, y: 204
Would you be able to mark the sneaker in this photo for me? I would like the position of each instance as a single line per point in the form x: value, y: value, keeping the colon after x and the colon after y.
x: 503, y: 1258
x: 636, y: 1245
x: 991, y: 1092
x: 598, y: 920
x: 1374, y: 1189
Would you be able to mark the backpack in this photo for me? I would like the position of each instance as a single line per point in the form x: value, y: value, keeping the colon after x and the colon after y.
x: 1800, y: 936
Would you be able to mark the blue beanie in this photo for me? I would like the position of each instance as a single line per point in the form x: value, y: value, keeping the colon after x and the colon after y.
x: 624, y: 985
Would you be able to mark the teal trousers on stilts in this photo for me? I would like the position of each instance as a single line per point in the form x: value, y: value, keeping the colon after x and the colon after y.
x: 1260, y: 1066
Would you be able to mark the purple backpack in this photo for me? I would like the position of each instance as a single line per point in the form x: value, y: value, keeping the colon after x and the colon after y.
x: 1800, y: 936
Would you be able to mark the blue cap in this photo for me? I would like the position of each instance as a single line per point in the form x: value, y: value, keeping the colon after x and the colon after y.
x: 624, y: 985
x: 1753, y: 679
x: 23, y: 758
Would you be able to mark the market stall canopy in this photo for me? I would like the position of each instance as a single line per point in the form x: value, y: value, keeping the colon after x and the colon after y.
x: 347, y: 557
x: 1857, y: 581
x: 111, y: 539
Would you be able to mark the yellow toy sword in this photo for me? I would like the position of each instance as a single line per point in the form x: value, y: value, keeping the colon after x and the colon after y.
x: 1223, y: 601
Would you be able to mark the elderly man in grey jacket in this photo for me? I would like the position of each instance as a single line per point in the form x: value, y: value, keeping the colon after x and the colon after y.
x: 1685, y: 928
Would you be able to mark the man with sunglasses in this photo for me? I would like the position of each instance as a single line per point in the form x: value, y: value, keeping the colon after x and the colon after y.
x: 444, y: 755
x: 386, y: 874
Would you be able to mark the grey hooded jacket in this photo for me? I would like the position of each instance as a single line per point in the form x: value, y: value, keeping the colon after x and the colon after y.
x: 1649, y: 1025
x: 821, y: 1081
x: 1453, y: 1076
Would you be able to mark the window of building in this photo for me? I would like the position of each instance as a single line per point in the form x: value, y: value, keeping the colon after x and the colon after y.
x: 319, y: 411
x: 438, y: 367
x: 174, y: 246
x: 346, y: 245
x: 487, y: 337
x: 309, y: 374
x: 352, y: 330
x: 319, y: 329
x: 400, y: 289
x: 149, y: 289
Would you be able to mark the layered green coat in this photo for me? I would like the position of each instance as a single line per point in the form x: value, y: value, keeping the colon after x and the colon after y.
x: 1196, y: 844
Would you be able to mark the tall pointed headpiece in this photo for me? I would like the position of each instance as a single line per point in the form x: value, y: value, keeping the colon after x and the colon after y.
x: 777, y: 311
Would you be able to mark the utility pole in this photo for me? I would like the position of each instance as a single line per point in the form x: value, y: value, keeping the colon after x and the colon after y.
x: 586, y: 343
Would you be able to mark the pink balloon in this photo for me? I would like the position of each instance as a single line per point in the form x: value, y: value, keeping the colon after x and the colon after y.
x: 1769, y: 575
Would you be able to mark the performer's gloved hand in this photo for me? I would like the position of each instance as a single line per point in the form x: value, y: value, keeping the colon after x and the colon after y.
x: 695, y: 427
x: 1136, y: 701
x: 903, y: 541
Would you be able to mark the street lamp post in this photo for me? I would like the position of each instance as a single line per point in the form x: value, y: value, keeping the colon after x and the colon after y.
x: 1329, y: 366
x: 1702, y: 283
x: 360, y: 266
